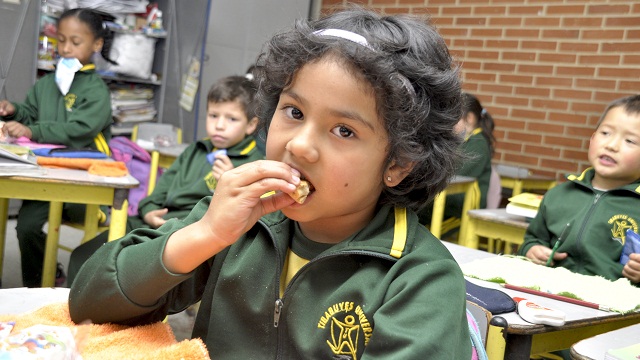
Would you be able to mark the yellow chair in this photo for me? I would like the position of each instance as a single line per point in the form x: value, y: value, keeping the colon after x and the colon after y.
x: 147, y: 134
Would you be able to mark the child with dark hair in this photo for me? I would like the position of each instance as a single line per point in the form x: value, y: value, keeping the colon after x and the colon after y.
x: 70, y: 107
x: 360, y: 107
x: 476, y: 129
x: 231, y: 121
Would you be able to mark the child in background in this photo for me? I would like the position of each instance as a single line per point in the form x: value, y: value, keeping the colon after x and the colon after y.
x: 362, y: 107
x: 231, y: 119
x: 68, y: 108
x: 589, y: 214
x: 476, y: 128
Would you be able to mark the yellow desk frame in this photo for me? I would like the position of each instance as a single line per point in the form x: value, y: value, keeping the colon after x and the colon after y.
x: 57, y: 192
x: 495, y: 224
x: 517, y: 185
x: 460, y: 184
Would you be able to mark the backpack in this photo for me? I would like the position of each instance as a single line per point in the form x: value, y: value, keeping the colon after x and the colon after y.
x: 138, y: 162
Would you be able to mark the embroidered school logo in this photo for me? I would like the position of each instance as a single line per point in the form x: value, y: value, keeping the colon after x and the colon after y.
x: 619, y: 226
x: 210, y: 181
x: 69, y: 100
x: 345, y: 323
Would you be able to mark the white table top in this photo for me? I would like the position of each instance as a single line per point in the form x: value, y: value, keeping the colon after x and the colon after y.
x: 20, y: 300
x: 595, y: 347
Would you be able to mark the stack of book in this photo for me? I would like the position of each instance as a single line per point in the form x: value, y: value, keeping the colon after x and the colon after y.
x: 132, y: 104
x: 17, y: 160
x: 524, y: 204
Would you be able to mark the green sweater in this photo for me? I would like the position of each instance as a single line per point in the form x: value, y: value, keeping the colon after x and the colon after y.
x: 81, y: 119
x: 597, y: 224
x: 369, y: 296
x: 181, y: 187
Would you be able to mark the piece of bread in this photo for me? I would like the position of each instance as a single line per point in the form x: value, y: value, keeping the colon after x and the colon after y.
x: 301, y: 192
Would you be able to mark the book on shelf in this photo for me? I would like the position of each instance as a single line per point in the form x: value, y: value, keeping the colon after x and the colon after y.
x: 524, y: 204
x: 631, y: 352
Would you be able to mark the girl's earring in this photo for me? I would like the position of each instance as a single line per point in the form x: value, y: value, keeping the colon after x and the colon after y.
x: 389, y: 178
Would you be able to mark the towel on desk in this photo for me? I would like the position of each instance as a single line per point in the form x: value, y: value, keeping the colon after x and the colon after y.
x: 110, y: 341
x: 70, y: 153
x: 96, y: 167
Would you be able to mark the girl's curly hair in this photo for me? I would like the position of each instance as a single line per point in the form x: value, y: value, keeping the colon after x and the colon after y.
x: 416, y: 85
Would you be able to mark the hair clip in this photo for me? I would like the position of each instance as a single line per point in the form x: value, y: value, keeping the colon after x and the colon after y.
x: 344, y: 34
x: 483, y: 112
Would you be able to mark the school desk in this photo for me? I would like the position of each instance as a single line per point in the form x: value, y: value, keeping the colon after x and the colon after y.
x: 66, y: 185
x: 460, y: 184
x: 512, y: 338
x: 518, y: 182
x: 594, y: 348
x: 495, y: 224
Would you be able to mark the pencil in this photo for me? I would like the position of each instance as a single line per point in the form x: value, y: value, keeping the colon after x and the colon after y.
x: 557, y: 297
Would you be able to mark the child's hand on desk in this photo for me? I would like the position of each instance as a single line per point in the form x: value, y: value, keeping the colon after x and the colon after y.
x: 539, y: 254
x: 632, y: 269
x: 221, y: 164
x: 154, y: 218
x: 15, y: 129
x: 6, y: 108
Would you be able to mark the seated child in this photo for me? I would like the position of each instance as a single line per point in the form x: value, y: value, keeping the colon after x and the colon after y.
x: 71, y: 108
x: 476, y: 128
x: 589, y: 214
x: 361, y: 107
x: 231, y: 119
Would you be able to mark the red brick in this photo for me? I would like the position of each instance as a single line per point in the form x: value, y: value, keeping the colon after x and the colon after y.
x: 505, y: 145
x: 553, y: 81
x: 512, y: 124
x: 535, y: 69
x: 545, y: 127
x: 582, y: 47
x: 561, y: 34
x: 525, y: 10
x: 577, y: 131
x: 456, y: 10
x: 479, y: 76
x: 512, y: 101
x: 558, y: 164
x: 619, y: 72
x: 574, y: 154
x: 548, y: 104
x: 599, y: 59
x: 470, y: 21
x: 528, y: 114
x: 451, y: 32
x: 522, y: 33
x: 563, y: 141
x: 520, y: 79
x: 502, y: 44
x: 471, y: 65
x: 629, y: 85
x: 564, y: 117
x: 595, y: 84
x: 581, y: 22
x: 608, y: 9
x: 585, y: 107
x: 521, y: 159
x: 486, y: 55
x: 602, y: 34
x: 632, y: 34
x: 488, y: 33
x: 519, y: 55
x: 541, y: 45
x: 571, y: 94
x: 490, y: 10
x: 468, y: 43
x: 623, y: 21
x: 499, y: 67
x: 542, y: 150
x: 505, y: 21
x: 496, y: 89
x: 565, y: 9
x: 542, y: 21
x: 619, y: 47
x: 574, y: 70
x: 557, y: 58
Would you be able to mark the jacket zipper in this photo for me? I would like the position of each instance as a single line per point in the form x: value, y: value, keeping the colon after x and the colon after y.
x: 584, y: 224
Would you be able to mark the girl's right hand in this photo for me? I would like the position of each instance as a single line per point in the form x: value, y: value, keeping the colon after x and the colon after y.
x: 6, y: 108
x: 237, y: 203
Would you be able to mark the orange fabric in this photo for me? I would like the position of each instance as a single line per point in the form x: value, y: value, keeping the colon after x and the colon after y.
x: 96, y: 167
x: 110, y: 341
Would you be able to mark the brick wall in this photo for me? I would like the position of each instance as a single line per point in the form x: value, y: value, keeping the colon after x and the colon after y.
x: 544, y: 69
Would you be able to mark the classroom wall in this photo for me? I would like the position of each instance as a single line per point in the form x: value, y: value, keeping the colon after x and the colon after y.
x: 544, y: 69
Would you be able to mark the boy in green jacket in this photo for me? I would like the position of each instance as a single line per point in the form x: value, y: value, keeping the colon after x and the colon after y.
x: 589, y: 214
x: 231, y: 119
x: 360, y: 106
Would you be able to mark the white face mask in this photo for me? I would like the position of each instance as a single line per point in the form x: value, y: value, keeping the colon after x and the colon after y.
x: 65, y: 71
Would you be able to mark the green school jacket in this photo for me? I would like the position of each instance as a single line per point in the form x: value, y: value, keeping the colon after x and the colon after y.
x: 182, y: 185
x: 81, y: 119
x: 597, y: 222
x: 391, y: 291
